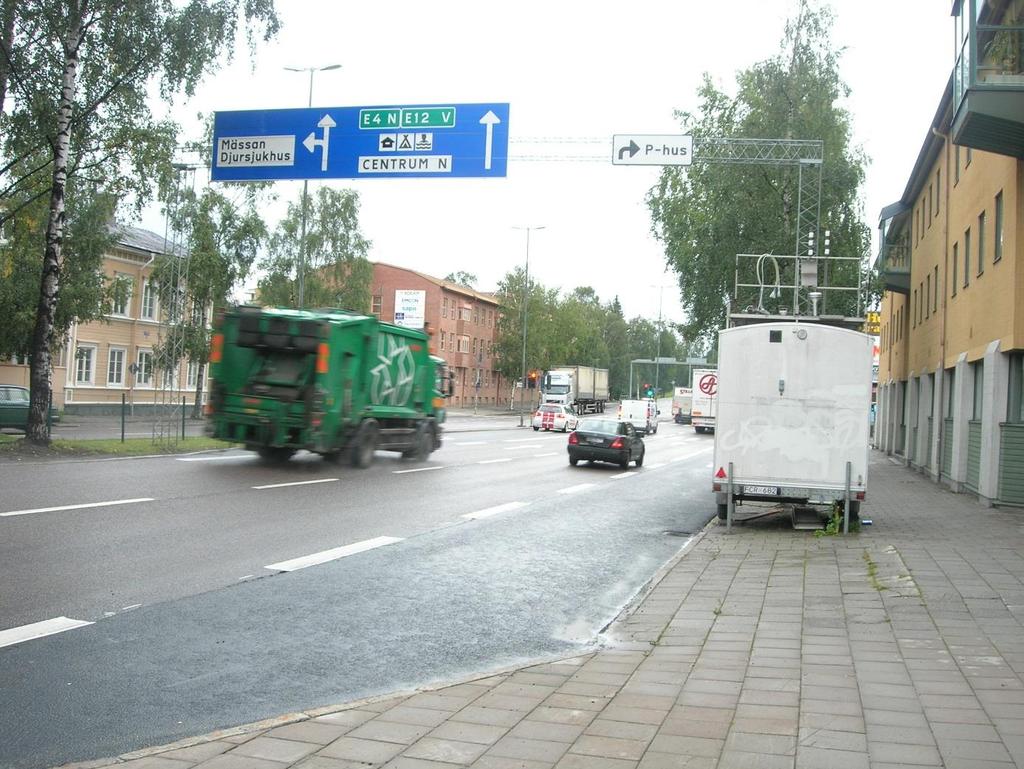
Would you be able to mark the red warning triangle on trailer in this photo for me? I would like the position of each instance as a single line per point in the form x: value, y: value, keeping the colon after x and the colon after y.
x: 720, y: 473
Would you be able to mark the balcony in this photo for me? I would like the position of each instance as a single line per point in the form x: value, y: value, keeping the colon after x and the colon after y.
x: 893, y: 263
x: 988, y: 79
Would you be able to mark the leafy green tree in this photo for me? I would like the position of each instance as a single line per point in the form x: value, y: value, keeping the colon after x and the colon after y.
x: 616, y: 334
x: 76, y: 80
x: 708, y: 213
x: 541, y: 325
x: 222, y: 239
x: 337, y: 272
x: 467, y: 279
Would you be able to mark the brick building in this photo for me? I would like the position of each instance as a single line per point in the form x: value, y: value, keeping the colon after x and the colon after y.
x: 463, y: 323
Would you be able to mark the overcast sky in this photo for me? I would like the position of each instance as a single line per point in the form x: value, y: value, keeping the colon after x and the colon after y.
x: 575, y: 71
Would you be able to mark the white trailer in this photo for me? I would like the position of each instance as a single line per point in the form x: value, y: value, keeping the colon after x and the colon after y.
x: 682, y: 404
x: 583, y: 387
x: 794, y: 401
x: 704, y: 404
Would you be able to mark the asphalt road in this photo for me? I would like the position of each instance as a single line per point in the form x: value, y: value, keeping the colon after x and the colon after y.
x: 497, y: 551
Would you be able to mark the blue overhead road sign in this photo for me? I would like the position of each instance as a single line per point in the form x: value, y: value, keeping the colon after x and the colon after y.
x: 424, y: 140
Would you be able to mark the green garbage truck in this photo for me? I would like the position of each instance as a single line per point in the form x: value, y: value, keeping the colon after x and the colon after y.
x: 333, y: 382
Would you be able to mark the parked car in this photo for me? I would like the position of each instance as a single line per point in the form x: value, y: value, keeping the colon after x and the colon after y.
x: 552, y: 416
x: 606, y: 440
x: 14, y: 401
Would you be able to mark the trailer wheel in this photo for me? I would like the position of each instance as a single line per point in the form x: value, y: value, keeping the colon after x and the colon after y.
x: 275, y: 454
x: 723, y: 511
x: 365, y: 444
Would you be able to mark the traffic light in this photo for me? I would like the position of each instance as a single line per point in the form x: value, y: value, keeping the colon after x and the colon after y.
x: 533, y: 380
x: 648, y: 390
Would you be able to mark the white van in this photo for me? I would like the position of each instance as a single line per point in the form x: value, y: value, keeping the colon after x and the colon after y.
x: 642, y: 414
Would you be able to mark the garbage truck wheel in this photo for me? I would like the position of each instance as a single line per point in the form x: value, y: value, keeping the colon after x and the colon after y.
x: 423, y: 444
x: 365, y: 444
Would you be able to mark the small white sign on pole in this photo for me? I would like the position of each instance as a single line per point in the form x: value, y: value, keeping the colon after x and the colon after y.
x: 410, y: 308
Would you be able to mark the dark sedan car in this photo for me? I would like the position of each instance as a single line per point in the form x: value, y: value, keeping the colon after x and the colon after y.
x: 14, y: 407
x: 606, y: 440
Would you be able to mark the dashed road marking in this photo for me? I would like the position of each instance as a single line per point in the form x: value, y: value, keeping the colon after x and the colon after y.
x: 626, y: 474
x: 489, y: 511
x: 494, y: 461
x: 419, y: 469
x: 523, y: 446
x: 296, y: 483
x: 655, y: 465
x: 574, y: 489
x: 17, y: 635
x: 468, y: 443
x: 332, y: 555
x: 129, y: 608
x: 547, y: 454
x: 519, y: 440
x: 109, y: 503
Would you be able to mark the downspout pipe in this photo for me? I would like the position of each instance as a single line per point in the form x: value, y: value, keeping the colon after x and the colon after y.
x: 940, y: 379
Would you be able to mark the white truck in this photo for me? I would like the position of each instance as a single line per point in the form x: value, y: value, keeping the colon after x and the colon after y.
x: 682, y: 404
x: 583, y: 387
x: 704, y: 405
x: 793, y: 409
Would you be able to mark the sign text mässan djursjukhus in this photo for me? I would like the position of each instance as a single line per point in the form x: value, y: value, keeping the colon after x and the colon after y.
x: 249, y: 151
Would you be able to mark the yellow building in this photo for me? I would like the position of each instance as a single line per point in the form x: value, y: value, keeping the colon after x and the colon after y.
x: 951, y: 385
x: 104, y: 360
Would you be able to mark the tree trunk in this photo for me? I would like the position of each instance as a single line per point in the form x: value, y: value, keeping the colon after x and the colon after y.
x: 6, y: 47
x: 42, y: 335
x: 197, y: 406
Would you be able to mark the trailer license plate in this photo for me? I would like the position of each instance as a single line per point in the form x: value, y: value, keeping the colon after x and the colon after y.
x: 765, y: 491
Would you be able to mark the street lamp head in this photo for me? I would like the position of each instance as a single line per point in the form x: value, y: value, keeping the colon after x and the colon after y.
x: 313, y: 69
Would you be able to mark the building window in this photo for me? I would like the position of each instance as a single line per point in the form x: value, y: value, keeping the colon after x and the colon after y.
x: 956, y: 264
x: 122, y: 294
x: 956, y: 165
x: 967, y: 257
x: 1015, y: 412
x: 474, y: 345
x: 981, y: 243
x: 442, y: 341
x: 85, y: 364
x: 444, y: 308
x: 115, y: 366
x: 935, y: 300
x: 914, y: 310
x: 931, y: 194
x: 928, y: 295
x: 144, y: 369
x: 997, y: 239
x: 466, y: 314
x: 148, y: 300
x: 192, y: 374
x: 938, y: 189
x: 476, y: 316
x: 376, y: 305
x: 464, y: 343
x: 970, y: 155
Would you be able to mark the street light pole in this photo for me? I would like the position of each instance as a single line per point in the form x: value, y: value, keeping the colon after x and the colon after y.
x: 526, y: 300
x: 657, y: 362
x: 301, y: 270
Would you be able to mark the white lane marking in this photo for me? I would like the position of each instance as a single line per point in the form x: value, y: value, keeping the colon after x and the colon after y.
x: 548, y: 454
x: 655, y: 465
x: 519, y: 440
x: 17, y: 635
x: 211, y: 459
x: 419, y: 469
x: 331, y: 555
x: 129, y: 608
x: 690, y: 456
x: 469, y: 443
x: 524, y: 446
x: 494, y: 461
x: 295, y: 483
x: 83, y: 506
x: 574, y: 489
x: 489, y: 511
x: 247, y: 576
x: 626, y: 474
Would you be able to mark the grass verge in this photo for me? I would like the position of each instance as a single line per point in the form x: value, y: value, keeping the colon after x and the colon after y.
x: 16, y: 445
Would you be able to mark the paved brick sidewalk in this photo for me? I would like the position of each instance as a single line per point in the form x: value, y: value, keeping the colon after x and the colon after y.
x: 901, y: 646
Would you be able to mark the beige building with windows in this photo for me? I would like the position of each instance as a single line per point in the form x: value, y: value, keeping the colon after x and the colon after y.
x: 951, y: 373
x: 105, y: 360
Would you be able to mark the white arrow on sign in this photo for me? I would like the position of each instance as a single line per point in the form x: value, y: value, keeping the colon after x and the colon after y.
x: 489, y: 120
x: 310, y: 142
